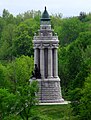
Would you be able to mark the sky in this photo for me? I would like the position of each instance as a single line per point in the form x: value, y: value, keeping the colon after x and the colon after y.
x: 68, y: 8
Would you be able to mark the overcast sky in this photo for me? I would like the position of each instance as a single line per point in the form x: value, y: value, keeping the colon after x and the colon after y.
x: 67, y: 7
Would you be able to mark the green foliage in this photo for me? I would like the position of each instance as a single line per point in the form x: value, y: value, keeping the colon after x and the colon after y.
x: 69, y: 30
x: 15, y: 76
x: 26, y: 99
x: 85, y: 101
x: 23, y: 41
x: 41, y: 117
x: 19, y: 103
x: 82, y: 16
x: 83, y: 40
x: 70, y: 64
x: 2, y: 24
x: 78, y: 70
x: 12, y: 117
x: 53, y: 112
x: 7, y: 103
x: 3, y: 77
x: 7, y: 17
x: 19, y: 71
x: 5, y: 13
x: 74, y: 62
x: 27, y: 15
x: 7, y: 41
x: 16, y: 34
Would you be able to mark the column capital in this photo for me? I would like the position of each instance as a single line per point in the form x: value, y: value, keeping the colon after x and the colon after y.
x: 50, y: 47
x: 41, y: 48
x: 34, y: 48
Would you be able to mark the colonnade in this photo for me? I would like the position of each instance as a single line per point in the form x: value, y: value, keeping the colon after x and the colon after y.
x: 47, y: 62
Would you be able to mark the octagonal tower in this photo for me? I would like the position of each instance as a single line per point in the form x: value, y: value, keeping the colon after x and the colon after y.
x: 46, y: 59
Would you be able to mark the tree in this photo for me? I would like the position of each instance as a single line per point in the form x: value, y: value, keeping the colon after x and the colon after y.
x: 70, y: 60
x: 7, y: 103
x: 2, y: 25
x: 69, y: 30
x: 5, y: 13
x: 3, y: 76
x: 19, y: 72
x: 85, y: 101
x: 26, y: 100
x: 7, y: 17
x: 82, y: 16
x: 20, y: 103
x: 81, y: 84
x: 7, y: 40
x: 24, y: 36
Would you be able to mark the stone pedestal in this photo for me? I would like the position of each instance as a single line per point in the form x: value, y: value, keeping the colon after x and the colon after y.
x: 50, y: 91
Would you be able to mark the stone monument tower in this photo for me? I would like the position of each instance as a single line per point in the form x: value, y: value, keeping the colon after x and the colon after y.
x: 46, y: 59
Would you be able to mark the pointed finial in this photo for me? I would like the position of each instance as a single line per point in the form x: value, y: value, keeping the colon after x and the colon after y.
x: 45, y: 8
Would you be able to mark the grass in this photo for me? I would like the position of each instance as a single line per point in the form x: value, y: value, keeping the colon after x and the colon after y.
x: 55, y: 112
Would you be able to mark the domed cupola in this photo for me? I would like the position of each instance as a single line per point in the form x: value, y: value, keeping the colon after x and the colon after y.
x: 45, y: 19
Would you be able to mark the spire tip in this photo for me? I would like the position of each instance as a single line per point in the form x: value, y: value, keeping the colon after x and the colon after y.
x: 45, y: 7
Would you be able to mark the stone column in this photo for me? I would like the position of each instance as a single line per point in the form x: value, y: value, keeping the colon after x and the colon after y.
x: 50, y: 68
x: 42, y: 62
x: 55, y: 63
x: 35, y: 56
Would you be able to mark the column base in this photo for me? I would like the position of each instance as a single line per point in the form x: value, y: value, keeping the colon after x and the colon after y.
x: 52, y: 101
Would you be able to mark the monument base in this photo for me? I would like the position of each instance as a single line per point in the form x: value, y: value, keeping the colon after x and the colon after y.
x: 50, y: 90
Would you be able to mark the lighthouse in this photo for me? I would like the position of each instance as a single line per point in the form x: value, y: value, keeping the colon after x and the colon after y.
x: 46, y: 60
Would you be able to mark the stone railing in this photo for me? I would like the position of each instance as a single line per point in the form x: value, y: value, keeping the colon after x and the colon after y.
x: 45, y: 37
